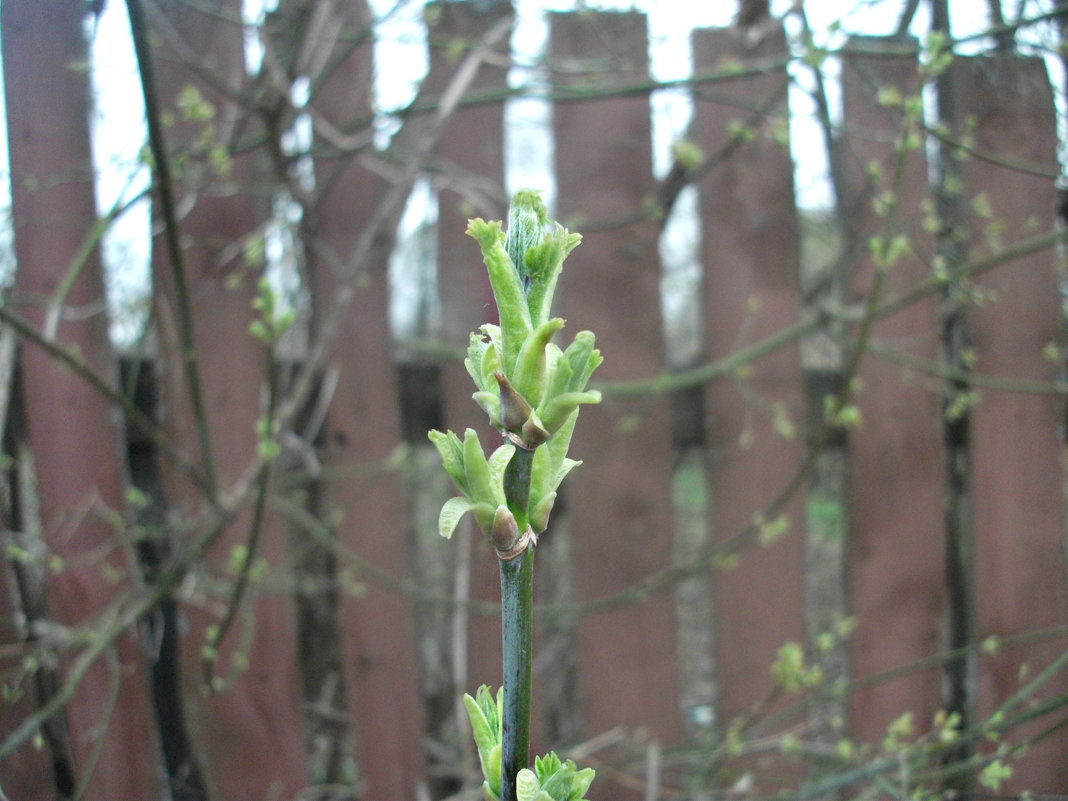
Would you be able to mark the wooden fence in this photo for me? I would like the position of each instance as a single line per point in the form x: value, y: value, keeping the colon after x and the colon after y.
x: 705, y: 528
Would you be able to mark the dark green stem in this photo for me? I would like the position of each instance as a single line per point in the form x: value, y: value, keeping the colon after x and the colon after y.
x: 517, y: 606
x: 517, y: 616
x: 517, y: 485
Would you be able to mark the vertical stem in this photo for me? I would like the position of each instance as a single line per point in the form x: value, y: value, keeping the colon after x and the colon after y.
x: 517, y: 584
x: 517, y: 607
x: 517, y: 485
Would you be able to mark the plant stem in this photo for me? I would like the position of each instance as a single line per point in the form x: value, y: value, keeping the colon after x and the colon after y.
x: 517, y: 584
x: 517, y: 485
x: 517, y: 616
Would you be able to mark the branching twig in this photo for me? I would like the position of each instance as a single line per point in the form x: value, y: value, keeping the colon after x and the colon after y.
x: 384, y: 214
x: 123, y: 613
x: 721, y: 368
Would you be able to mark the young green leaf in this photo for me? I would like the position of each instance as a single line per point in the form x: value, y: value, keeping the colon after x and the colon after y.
x: 544, y: 263
x: 452, y: 457
x: 480, y: 485
x: 497, y: 464
x: 540, y: 510
x: 481, y: 361
x: 527, y: 787
x: 486, y: 715
x: 529, y: 373
x: 455, y: 508
x: 508, y: 289
x: 558, y: 409
x: 490, y: 403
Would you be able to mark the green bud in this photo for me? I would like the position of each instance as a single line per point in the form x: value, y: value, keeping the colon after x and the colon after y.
x: 583, y: 359
x: 529, y: 388
x: 553, y: 780
x: 481, y: 480
x: 514, y: 409
x: 571, y: 371
x: 527, y: 219
x: 487, y: 715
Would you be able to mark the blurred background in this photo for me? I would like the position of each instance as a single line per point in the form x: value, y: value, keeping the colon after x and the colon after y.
x: 817, y: 544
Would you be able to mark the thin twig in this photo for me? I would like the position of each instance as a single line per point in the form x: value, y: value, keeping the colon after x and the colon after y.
x: 165, y: 193
x: 74, y: 361
x: 723, y: 367
x: 8, y: 350
x: 252, y: 543
x: 963, y: 375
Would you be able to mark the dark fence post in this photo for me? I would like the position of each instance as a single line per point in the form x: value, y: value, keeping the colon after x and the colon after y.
x: 1017, y: 437
x: 751, y: 261
x: 619, y: 502
x: 77, y: 534
x: 896, y: 546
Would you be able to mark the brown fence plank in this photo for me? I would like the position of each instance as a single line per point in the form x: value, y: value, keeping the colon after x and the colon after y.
x: 72, y: 428
x: 896, y: 458
x: 1020, y: 573
x: 750, y: 254
x: 469, y: 179
x: 246, y: 747
x: 363, y: 497
x: 471, y: 185
x: 618, y: 502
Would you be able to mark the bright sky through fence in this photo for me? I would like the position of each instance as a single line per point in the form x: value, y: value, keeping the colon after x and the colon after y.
x: 402, y: 62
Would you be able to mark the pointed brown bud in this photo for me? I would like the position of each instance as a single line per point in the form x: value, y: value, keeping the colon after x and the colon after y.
x: 505, y: 530
x: 514, y: 409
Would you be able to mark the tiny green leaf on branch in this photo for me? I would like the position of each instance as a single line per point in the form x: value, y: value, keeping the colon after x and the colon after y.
x: 481, y: 480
